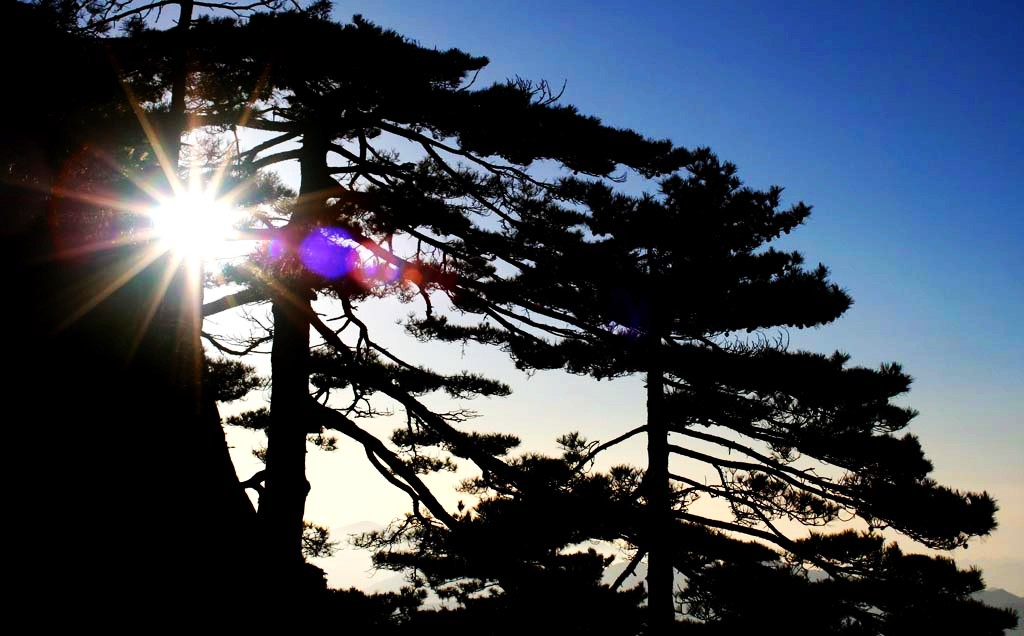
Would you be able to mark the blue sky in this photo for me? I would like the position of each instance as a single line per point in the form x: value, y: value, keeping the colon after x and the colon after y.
x: 901, y: 123
x: 902, y: 126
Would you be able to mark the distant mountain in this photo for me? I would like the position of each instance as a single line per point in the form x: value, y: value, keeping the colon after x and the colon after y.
x: 386, y: 582
x: 995, y: 597
x: 1001, y: 598
x: 392, y: 583
x: 359, y: 527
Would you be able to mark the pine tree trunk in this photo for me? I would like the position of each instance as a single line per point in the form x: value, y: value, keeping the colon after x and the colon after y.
x: 210, y: 509
x: 178, y: 317
x: 179, y: 84
x: 284, y: 498
x: 180, y: 339
x: 660, y: 584
x: 174, y: 345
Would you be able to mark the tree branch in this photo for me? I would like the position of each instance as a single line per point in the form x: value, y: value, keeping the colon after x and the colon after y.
x: 621, y: 438
x: 235, y: 352
x: 277, y: 157
x: 460, y: 443
x: 270, y: 143
x: 804, y: 476
x: 338, y: 422
x: 244, y: 297
x: 752, y: 467
x: 630, y: 569
x: 255, y: 482
x: 433, y: 143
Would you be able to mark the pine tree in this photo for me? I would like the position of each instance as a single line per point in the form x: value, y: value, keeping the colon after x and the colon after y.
x: 609, y: 299
x: 544, y: 520
x: 411, y: 220
x: 661, y: 285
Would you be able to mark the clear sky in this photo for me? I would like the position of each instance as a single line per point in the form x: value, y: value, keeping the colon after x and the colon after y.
x: 901, y: 123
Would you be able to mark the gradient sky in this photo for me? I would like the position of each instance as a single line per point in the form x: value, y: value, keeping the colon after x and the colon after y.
x: 901, y: 123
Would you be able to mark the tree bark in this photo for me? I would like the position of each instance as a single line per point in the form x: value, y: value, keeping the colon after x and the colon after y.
x: 217, y: 518
x: 284, y: 498
x: 660, y: 583
x: 179, y: 84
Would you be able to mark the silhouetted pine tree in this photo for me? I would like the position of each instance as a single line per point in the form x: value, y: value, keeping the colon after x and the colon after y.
x: 515, y: 556
x: 521, y: 552
x: 414, y: 221
x: 651, y: 284
x: 660, y: 285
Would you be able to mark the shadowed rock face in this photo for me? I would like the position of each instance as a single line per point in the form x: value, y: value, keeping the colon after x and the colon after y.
x: 130, y: 498
x: 124, y: 496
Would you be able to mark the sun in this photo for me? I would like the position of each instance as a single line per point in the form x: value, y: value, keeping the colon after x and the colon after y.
x: 194, y: 224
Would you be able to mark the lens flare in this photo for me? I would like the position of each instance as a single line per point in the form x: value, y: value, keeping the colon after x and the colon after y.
x: 329, y: 251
